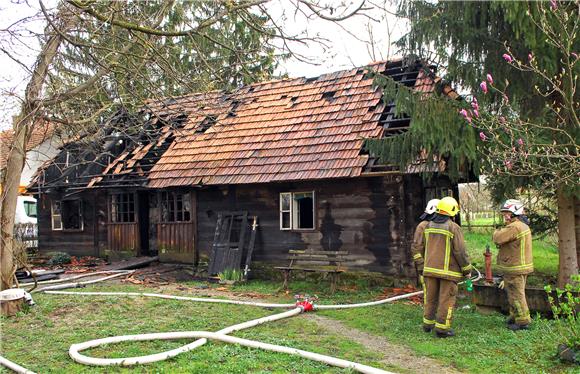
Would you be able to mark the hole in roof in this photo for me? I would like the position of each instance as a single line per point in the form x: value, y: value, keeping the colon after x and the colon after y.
x: 207, y: 122
x: 283, y: 96
x: 360, y: 71
x: 328, y: 95
x: 311, y: 79
x: 251, y: 89
x: 235, y: 104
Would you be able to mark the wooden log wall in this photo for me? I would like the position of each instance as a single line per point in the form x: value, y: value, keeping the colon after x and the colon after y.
x: 368, y: 217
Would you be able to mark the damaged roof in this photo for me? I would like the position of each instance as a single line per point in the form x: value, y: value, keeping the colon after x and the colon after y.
x: 281, y: 130
x: 284, y: 130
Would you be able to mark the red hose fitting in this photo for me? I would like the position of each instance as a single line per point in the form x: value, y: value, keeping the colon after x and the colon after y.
x: 306, y: 305
x: 488, y: 274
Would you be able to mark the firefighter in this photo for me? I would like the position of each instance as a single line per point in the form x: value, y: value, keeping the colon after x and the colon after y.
x: 445, y: 263
x: 416, y: 249
x: 515, y: 261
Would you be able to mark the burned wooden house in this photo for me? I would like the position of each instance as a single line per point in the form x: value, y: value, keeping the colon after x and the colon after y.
x: 289, y: 152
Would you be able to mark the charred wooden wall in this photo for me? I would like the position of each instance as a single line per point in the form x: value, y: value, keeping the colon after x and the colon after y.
x: 372, y: 218
x: 86, y: 242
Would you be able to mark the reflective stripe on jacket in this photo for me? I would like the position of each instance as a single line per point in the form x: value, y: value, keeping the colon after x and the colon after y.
x: 515, y: 248
x: 444, y: 251
x: 417, y: 249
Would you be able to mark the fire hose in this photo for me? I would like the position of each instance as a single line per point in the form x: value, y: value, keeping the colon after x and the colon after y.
x: 203, y: 336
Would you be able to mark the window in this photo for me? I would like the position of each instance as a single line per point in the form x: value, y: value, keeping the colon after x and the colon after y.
x: 297, y: 210
x: 30, y: 208
x: 123, y: 207
x: 67, y: 215
x: 175, y: 207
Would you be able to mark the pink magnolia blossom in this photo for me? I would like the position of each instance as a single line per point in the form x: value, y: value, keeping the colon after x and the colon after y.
x: 530, y: 56
x: 483, y: 86
x: 465, y: 115
x: 506, y: 99
x: 475, y: 104
x: 507, y: 57
x: 508, y: 164
x: 482, y: 136
x: 476, y: 113
x: 489, y: 78
x: 554, y: 4
x: 502, y: 120
x: 520, y: 141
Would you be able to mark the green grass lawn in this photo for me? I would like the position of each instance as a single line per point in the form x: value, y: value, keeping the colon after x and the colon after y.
x: 40, y: 338
x: 544, y: 250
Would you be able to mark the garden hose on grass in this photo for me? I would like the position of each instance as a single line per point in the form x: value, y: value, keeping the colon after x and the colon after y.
x: 203, y: 336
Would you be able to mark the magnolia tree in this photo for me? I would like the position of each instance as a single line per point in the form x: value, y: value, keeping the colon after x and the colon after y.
x: 539, y: 151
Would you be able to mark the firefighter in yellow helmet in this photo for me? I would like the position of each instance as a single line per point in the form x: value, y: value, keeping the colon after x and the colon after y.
x: 515, y: 261
x: 445, y: 263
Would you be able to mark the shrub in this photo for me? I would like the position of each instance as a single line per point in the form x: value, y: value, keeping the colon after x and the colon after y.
x: 60, y: 258
x: 565, y: 307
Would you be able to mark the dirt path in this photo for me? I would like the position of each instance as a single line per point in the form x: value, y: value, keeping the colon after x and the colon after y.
x: 395, y: 355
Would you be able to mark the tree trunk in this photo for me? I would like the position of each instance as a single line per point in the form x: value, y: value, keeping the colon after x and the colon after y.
x: 577, y: 224
x: 23, y: 126
x: 566, y: 238
x: 10, y: 184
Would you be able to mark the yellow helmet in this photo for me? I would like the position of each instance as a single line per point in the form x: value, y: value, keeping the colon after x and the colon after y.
x: 448, y: 206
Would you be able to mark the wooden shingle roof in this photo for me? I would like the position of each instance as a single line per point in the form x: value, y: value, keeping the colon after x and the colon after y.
x: 284, y: 130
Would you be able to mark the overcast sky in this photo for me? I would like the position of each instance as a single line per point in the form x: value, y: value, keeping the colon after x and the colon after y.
x: 347, y: 46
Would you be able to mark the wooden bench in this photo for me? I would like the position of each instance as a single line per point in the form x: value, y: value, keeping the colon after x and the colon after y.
x: 326, y: 262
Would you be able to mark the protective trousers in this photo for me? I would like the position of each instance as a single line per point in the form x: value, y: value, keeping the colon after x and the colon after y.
x: 515, y: 287
x: 439, y: 300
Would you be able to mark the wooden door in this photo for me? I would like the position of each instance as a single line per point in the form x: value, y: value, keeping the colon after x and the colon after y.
x: 229, y: 239
x: 123, y: 228
x: 176, y: 230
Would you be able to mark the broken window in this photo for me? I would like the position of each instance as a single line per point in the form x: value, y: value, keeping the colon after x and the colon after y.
x: 123, y: 207
x: 67, y: 215
x: 297, y: 211
x: 175, y: 207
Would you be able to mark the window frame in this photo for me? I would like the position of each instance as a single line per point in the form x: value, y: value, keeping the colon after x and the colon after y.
x: 115, y: 212
x: 60, y: 203
x: 175, y: 198
x: 53, y: 204
x: 294, y: 211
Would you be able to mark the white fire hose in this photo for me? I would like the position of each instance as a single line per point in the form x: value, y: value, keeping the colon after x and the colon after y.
x: 202, y: 336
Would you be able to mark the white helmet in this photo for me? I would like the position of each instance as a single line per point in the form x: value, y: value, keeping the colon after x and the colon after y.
x: 514, y: 206
x: 431, y: 206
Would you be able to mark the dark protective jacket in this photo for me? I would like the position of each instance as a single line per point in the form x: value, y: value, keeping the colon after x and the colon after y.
x: 440, y: 251
x: 515, y: 248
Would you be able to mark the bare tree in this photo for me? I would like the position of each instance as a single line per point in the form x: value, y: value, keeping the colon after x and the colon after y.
x: 99, y: 56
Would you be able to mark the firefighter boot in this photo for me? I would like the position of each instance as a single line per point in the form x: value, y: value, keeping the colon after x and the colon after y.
x: 445, y: 334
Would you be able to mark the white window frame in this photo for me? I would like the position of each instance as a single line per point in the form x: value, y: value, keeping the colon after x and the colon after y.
x: 294, y: 211
x: 53, y: 204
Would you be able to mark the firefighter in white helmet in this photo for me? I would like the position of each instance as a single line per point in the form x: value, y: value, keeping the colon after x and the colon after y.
x: 416, y: 249
x: 515, y: 261
x: 443, y: 262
